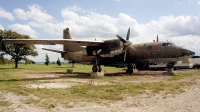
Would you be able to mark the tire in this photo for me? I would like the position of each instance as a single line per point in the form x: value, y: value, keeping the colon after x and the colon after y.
x: 170, y: 65
x: 95, y: 68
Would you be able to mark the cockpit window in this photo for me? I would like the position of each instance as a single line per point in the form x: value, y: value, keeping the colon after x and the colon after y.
x: 164, y: 44
x: 149, y: 48
x: 167, y: 44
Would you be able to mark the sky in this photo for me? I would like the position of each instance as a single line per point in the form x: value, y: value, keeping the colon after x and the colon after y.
x: 176, y: 21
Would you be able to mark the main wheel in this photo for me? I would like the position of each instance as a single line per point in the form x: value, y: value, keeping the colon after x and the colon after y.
x: 170, y: 65
x: 95, y: 68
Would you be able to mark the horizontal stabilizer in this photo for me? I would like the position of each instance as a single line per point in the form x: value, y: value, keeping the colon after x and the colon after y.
x: 54, y: 50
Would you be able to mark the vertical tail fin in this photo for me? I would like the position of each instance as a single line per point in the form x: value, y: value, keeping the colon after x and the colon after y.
x: 70, y: 47
x: 66, y: 34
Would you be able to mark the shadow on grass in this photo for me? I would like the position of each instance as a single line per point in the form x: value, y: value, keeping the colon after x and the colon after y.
x: 63, y: 67
x: 78, y: 75
x: 81, y: 76
x: 115, y: 74
x: 2, y: 69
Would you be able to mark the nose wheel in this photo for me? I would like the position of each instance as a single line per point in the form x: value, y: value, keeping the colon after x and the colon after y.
x: 170, y: 65
x: 170, y: 69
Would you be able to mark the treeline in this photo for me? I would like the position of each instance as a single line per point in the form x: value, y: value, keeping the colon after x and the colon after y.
x: 6, y: 61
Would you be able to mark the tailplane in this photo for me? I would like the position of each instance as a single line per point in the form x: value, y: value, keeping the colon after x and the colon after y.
x: 52, y: 50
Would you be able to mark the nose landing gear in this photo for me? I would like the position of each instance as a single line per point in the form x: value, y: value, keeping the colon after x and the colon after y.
x: 170, y: 68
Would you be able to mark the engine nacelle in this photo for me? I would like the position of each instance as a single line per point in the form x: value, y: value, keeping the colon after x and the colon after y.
x: 111, y: 48
x: 108, y: 49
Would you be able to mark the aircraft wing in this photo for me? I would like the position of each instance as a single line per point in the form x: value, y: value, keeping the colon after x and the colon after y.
x: 54, y: 41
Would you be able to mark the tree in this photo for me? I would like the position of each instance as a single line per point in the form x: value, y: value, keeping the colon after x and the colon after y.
x: 2, y: 53
x: 47, y: 60
x: 58, y: 62
x: 2, y: 59
x: 27, y: 61
x: 16, y: 51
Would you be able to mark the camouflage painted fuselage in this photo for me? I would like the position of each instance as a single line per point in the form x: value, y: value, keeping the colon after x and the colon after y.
x: 112, y: 52
x: 158, y: 52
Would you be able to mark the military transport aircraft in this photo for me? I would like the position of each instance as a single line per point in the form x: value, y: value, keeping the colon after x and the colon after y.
x: 112, y: 51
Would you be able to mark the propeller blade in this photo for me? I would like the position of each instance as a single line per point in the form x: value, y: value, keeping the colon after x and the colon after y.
x: 157, y: 38
x: 121, y: 39
x: 128, y: 34
x: 125, y: 53
x: 125, y: 42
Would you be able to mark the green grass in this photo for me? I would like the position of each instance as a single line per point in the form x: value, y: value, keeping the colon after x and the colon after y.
x: 117, y: 92
x: 42, y: 67
x: 89, y: 92
x: 180, y: 76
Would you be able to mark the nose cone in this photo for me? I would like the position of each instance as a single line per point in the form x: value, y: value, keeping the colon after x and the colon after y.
x: 192, y: 52
x: 186, y: 52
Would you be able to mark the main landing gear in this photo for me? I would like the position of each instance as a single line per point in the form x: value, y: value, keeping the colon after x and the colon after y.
x: 96, y: 69
x: 130, y: 68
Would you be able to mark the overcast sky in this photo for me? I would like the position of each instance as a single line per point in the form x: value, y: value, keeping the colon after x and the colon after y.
x: 177, y: 21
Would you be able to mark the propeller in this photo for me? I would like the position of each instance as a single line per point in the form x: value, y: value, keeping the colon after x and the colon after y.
x: 156, y: 39
x: 126, y: 42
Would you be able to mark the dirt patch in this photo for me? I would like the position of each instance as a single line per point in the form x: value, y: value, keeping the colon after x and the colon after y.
x: 19, y: 103
x: 50, y: 85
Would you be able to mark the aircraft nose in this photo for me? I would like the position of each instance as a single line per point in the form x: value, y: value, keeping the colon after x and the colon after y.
x: 191, y: 52
x: 186, y: 52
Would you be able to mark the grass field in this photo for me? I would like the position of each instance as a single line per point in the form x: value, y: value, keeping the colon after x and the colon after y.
x: 51, y: 67
x: 108, y: 88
